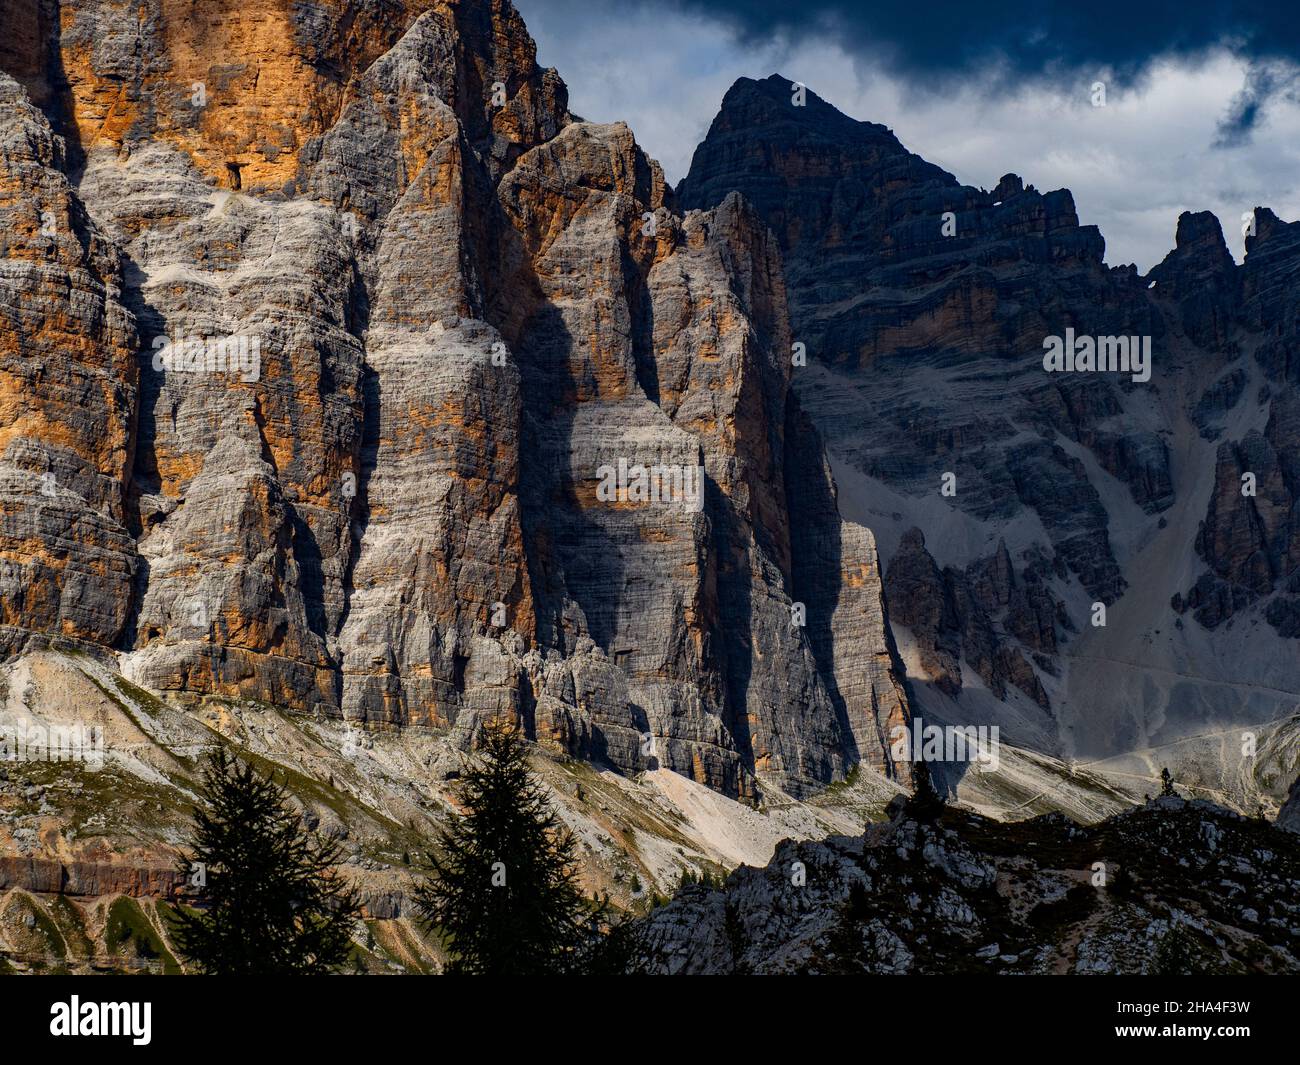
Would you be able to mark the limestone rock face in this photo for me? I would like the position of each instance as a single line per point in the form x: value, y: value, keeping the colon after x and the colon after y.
x: 1250, y: 536
x: 892, y: 265
x: 951, y: 614
x: 678, y: 366
x: 385, y: 345
x: 346, y: 371
x: 1043, y: 529
x: 244, y: 89
x: 850, y: 205
x: 68, y: 399
x: 837, y: 577
x: 248, y: 429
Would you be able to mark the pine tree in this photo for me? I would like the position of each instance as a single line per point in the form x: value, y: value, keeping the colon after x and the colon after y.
x: 505, y: 894
x: 270, y: 898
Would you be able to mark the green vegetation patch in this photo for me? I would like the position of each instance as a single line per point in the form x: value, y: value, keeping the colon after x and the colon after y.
x: 128, y: 931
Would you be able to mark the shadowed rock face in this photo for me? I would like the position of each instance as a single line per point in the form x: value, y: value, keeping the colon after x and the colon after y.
x: 875, y: 284
x: 1012, y: 504
x: 333, y: 358
x: 1251, y: 541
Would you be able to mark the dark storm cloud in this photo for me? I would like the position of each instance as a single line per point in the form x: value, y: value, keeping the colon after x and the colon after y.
x: 1265, y: 81
x: 932, y: 43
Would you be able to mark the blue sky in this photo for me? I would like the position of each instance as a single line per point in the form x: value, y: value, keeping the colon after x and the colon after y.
x: 1202, y: 107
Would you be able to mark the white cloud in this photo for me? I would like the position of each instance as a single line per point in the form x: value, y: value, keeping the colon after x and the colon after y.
x: 1132, y: 165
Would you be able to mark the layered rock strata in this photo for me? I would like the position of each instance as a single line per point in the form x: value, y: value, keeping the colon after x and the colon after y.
x: 367, y: 325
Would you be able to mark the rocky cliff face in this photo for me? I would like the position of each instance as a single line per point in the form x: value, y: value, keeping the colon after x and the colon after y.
x: 339, y: 353
x: 1070, y: 555
x: 68, y: 393
x: 1250, y: 539
x: 348, y: 346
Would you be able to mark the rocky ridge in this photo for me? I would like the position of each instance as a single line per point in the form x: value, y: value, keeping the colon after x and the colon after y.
x: 1070, y: 556
x: 1173, y: 887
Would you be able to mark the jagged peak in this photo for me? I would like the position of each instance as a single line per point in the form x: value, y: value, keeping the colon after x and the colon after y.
x: 1200, y: 254
x: 750, y: 101
x: 764, y: 121
x: 1269, y: 226
x: 1196, y: 226
x: 1009, y: 185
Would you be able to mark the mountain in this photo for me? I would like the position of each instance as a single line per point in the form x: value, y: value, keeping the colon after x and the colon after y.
x: 1072, y: 556
x: 325, y: 330
x: 358, y: 392
x: 89, y: 874
x: 448, y: 306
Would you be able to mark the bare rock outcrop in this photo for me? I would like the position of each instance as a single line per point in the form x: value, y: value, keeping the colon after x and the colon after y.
x: 959, y: 893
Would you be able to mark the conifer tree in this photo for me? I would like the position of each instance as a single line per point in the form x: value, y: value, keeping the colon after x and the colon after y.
x: 1166, y: 782
x: 505, y: 895
x: 270, y: 899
